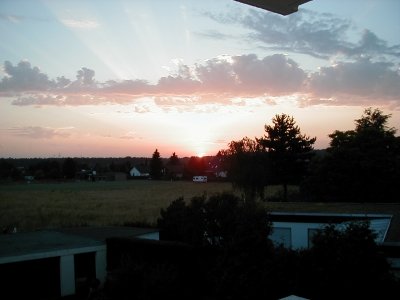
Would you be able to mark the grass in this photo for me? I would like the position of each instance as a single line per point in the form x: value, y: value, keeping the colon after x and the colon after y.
x: 54, y: 205
x: 38, y: 206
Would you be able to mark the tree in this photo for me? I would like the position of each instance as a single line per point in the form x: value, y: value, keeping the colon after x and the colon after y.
x: 222, y: 221
x: 156, y: 165
x: 195, y: 166
x: 49, y: 168
x: 288, y: 150
x: 173, y: 168
x: 6, y: 168
x: 69, y: 168
x: 247, y: 167
x: 172, y: 221
x: 232, y: 233
x: 344, y: 263
x: 173, y: 160
x: 374, y: 119
x: 362, y: 165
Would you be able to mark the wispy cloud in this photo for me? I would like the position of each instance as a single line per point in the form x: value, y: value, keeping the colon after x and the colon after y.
x: 80, y: 23
x: 20, y: 18
x: 38, y: 132
x: 306, y: 32
x: 131, y: 135
x: 11, y: 18
x: 141, y: 109
x: 214, y: 34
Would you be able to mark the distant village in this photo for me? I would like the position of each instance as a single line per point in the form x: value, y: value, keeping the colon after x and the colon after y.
x: 198, y: 169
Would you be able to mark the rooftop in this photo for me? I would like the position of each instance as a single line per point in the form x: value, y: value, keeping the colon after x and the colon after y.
x: 48, y: 243
x: 344, y: 209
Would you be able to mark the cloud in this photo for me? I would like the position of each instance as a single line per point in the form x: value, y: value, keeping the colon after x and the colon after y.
x: 130, y: 87
x: 65, y: 98
x: 218, y: 78
x: 272, y: 75
x: 39, y: 100
x: 37, y: 132
x: 80, y: 24
x: 63, y: 82
x: 220, y: 81
x: 214, y: 34
x: 370, y: 44
x: 307, y: 32
x: 20, y: 18
x: 231, y: 76
x: 23, y: 77
x: 355, y: 83
x: 11, y: 18
x: 131, y: 135
x: 141, y: 109
x: 85, y: 76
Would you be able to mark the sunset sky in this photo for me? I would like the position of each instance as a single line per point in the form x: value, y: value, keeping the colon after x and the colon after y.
x: 122, y: 78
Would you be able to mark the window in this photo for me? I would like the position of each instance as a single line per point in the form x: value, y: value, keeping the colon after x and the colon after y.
x: 282, y: 236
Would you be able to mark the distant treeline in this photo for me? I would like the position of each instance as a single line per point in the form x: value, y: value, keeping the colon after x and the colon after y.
x: 66, y: 168
x: 61, y: 168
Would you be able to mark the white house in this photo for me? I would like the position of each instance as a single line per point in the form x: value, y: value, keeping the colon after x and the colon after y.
x: 295, y: 230
x: 139, y: 172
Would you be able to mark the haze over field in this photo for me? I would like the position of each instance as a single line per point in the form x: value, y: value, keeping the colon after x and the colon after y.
x: 121, y: 78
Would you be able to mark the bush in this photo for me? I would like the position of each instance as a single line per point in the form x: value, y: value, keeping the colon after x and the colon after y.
x: 345, y: 264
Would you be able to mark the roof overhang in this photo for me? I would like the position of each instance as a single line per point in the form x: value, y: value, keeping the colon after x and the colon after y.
x: 283, y: 7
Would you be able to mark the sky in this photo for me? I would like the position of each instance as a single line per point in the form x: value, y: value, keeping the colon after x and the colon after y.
x: 123, y: 78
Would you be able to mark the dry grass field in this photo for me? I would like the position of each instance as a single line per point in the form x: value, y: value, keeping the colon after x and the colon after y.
x: 44, y: 206
x: 39, y: 206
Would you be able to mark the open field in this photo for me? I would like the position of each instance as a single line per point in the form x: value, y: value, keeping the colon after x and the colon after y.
x: 34, y: 206
x: 40, y: 206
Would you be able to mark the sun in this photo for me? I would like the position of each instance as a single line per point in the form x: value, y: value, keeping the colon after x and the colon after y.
x: 197, y: 132
x: 199, y: 141
x: 200, y: 152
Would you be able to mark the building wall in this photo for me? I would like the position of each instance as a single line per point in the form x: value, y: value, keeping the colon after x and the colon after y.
x: 292, y: 234
x: 297, y: 235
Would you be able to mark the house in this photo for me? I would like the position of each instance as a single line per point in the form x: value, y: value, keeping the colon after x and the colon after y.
x: 140, y: 171
x: 53, y: 263
x: 296, y: 230
x: 293, y: 224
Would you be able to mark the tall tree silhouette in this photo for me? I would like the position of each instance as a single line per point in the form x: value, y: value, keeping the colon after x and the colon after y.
x: 174, y: 159
x: 288, y: 150
x: 156, y: 165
